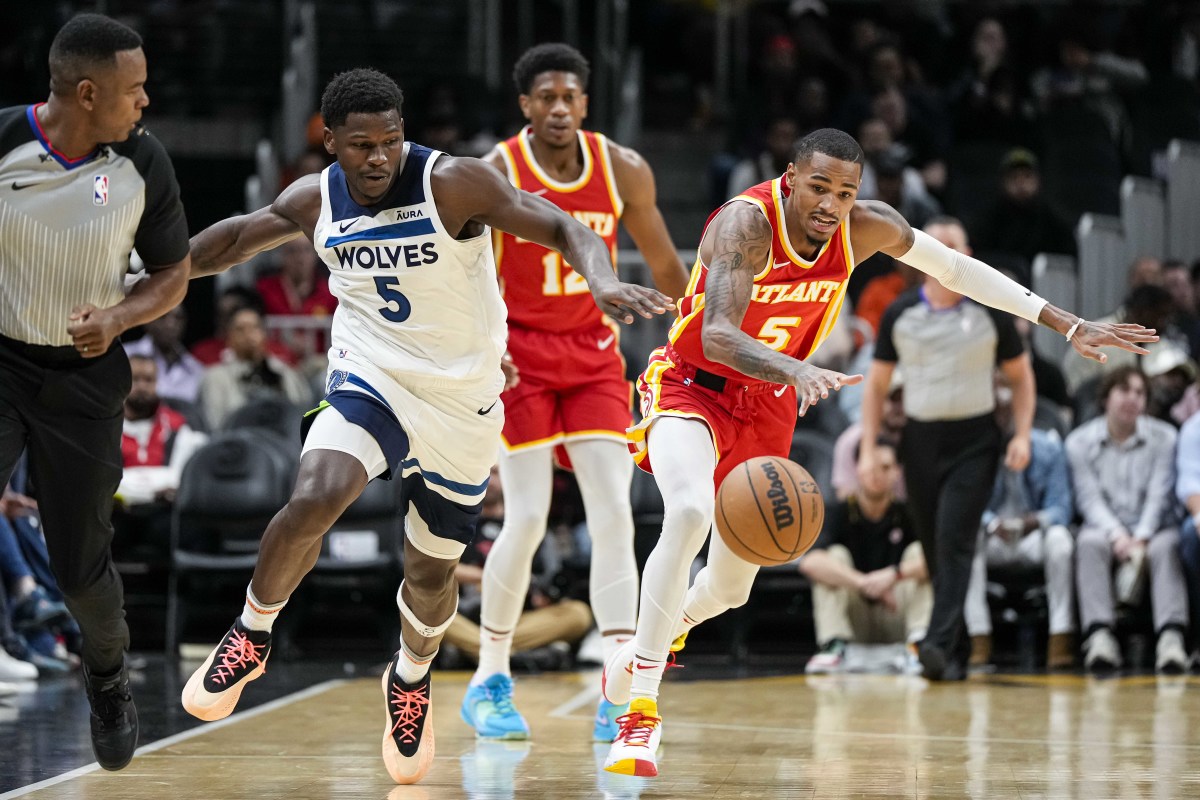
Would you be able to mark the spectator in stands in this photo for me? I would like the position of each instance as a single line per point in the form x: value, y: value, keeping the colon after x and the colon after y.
x: 156, y: 441
x: 911, y: 199
x: 1025, y: 524
x: 1122, y: 470
x: 156, y: 444
x: 925, y: 138
x: 986, y: 101
x: 32, y: 614
x: 247, y: 371
x: 876, y: 140
x: 845, y: 450
x: 299, y: 289
x: 868, y: 570
x: 949, y: 348
x: 1146, y: 270
x: 771, y: 162
x: 210, y: 351
x: 1187, y: 490
x: 12, y: 668
x: 1021, y: 221
x: 1177, y: 280
x: 547, y: 618
x: 1085, y: 74
x: 179, y: 372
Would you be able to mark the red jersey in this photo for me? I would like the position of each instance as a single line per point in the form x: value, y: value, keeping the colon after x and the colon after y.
x: 794, y: 302
x: 541, y: 290
x: 152, y: 452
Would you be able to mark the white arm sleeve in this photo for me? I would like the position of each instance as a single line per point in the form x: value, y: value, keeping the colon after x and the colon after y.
x: 972, y: 277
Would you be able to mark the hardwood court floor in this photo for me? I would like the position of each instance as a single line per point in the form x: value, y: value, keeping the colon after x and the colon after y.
x: 765, y: 738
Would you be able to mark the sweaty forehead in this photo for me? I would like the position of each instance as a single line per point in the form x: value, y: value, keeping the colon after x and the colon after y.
x: 556, y: 81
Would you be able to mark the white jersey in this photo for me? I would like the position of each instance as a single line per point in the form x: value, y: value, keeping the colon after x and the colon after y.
x: 412, y: 299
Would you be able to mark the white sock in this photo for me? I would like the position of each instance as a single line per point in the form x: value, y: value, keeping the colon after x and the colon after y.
x: 647, y: 674
x: 411, y: 667
x: 610, y: 643
x: 495, y: 652
x: 257, y: 615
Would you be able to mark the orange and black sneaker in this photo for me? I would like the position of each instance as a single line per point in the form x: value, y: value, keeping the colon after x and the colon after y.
x: 214, y: 690
x: 408, y: 732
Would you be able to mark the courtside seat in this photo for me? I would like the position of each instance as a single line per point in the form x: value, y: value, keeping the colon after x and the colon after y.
x: 229, y: 491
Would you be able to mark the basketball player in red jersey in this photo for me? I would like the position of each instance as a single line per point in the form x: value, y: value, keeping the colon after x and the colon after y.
x: 572, y: 393
x: 768, y: 283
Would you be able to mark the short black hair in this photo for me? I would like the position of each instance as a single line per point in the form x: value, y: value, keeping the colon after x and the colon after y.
x: 831, y: 142
x: 359, y: 91
x: 550, y: 57
x: 85, y: 42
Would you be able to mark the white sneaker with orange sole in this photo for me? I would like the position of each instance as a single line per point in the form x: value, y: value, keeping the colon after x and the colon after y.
x: 635, y: 750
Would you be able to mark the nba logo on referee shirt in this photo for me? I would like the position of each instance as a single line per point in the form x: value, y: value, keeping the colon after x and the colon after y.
x: 100, y: 190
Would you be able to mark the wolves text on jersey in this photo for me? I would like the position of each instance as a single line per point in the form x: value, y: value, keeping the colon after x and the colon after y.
x: 352, y: 256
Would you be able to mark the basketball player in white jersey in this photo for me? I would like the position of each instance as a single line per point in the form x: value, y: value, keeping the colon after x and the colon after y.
x: 414, y: 376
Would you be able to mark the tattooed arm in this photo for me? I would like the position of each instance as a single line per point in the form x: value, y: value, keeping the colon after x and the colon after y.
x: 737, y: 246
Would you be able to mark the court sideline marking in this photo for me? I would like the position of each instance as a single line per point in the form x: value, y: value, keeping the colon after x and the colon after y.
x: 280, y: 702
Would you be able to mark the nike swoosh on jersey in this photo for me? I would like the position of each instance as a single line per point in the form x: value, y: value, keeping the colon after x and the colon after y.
x: 16, y: 187
x: 779, y: 264
x: 779, y: 392
x: 539, y: 192
x: 347, y: 226
x: 483, y: 412
x: 604, y: 343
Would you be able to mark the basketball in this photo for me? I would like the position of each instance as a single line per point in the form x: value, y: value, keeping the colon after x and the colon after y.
x: 769, y: 510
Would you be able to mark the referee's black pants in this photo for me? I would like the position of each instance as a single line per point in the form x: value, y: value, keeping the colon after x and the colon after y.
x: 949, y: 470
x: 68, y: 411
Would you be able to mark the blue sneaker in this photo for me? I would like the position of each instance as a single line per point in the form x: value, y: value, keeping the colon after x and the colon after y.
x: 488, y: 709
x: 604, y: 727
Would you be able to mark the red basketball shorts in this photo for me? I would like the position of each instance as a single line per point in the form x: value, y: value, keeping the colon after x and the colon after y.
x: 572, y: 386
x: 745, y: 420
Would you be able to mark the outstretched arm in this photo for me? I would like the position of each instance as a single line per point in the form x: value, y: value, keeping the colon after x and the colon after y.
x: 641, y: 217
x: 741, y: 245
x: 879, y: 228
x: 468, y: 189
x: 238, y: 239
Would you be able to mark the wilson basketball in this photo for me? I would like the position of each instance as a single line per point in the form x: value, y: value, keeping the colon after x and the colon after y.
x: 769, y: 510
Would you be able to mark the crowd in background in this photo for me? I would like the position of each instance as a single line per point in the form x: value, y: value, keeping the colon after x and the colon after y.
x: 1015, y: 118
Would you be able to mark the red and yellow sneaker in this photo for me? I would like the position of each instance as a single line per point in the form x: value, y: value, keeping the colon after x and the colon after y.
x: 215, y: 688
x: 408, y: 733
x: 635, y: 750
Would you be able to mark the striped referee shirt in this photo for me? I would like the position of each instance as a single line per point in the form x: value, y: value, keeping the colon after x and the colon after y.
x: 947, y: 355
x: 67, y: 226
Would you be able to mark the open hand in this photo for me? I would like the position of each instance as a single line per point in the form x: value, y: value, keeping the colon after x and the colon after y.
x: 618, y: 299
x: 92, y: 329
x: 813, y: 384
x: 1091, y: 336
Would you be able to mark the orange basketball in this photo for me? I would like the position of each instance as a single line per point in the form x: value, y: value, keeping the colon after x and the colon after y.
x: 769, y: 510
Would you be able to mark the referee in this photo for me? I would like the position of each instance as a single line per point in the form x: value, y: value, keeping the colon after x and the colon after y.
x: 948, y: 347
x: 81, y: 185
